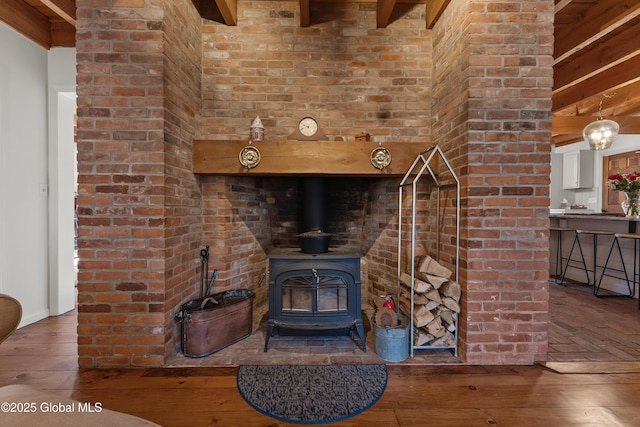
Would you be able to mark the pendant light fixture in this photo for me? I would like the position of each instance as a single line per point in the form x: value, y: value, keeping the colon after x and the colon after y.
x: 600, y: 134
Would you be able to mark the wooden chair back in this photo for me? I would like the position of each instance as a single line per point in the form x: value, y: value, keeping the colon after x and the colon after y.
x: 10, y: 315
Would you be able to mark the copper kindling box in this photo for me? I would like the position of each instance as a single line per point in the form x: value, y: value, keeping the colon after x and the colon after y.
x: 212, y: 323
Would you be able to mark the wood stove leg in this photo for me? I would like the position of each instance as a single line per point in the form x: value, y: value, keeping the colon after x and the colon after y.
x: 270, y: 331
x: 360, y: 329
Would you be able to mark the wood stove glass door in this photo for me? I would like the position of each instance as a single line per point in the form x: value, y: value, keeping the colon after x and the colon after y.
x: 315, y: 293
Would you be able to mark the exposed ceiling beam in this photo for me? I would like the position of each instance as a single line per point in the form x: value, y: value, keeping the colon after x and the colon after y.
x: 434, y: 10
x: 27, y: 21
x: 607, y: 81
x: 590, y: 62
x: 66, y: 9
x: 596, y: 63
x: 229, y: 11
x: 602, y: 19
x: 625, y: 102
x: 575, y: 124
x: 305, y: 15
x: 561, y: 5
x: 383, y: 15
x: 63, y: 34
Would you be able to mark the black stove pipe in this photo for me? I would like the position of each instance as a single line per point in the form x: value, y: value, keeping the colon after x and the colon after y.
x: 314, y: 240
x: 314, y: 196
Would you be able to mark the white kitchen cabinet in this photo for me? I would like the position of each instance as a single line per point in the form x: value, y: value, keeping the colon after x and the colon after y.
x: 577, y: 169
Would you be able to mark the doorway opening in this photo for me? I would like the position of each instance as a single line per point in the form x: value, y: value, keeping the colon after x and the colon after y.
x: 62, y: 192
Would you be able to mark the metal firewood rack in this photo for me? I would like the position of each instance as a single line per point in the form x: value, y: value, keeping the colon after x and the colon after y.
x: 420, y: 165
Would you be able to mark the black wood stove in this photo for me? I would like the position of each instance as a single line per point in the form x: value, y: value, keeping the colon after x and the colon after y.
x: 312, y: 290
x: 314, y: 294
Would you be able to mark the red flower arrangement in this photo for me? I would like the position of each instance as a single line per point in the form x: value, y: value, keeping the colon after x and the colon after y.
x: 630, y: 184
x: 627, y: 182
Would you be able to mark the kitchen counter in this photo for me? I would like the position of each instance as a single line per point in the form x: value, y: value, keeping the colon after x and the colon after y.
x: 597, y: 220
x: 614, y: 216
x: 616, y: 223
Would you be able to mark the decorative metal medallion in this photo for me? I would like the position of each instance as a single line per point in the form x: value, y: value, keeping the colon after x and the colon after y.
x: 249, y: 157
x: 380, y: 158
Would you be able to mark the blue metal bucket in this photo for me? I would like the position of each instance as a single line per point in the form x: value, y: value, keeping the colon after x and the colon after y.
x: 392, y: 343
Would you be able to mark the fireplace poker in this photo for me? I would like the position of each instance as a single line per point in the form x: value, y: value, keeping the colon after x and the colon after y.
x: 204, y: 271
x: 213, y: 279
x: 262, y: 277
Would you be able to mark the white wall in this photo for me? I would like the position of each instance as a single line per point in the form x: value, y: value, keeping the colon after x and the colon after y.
x: 24, y: 172
x: 592, y: 197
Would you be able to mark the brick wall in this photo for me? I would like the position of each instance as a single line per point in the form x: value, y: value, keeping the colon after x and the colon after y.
x: 496, y: 131
x: 379, y: 238
x: 350, y: 75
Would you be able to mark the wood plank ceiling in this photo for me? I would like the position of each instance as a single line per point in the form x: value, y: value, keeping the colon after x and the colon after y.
x: 596, y: 55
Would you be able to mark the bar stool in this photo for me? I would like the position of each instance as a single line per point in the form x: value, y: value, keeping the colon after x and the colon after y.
x: 570, y: 260
x: 558, y: 261
x: 595, y: 234
x: 636, y: 265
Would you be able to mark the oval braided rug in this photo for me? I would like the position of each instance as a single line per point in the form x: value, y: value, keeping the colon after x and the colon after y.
x: 311, y: 394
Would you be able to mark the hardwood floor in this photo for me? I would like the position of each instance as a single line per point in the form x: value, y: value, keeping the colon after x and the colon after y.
x: 43, y: 356
x: 585, y: 328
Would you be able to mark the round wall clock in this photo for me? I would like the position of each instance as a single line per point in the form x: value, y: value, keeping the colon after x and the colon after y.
x: 308, y: 129
x: 308, y: 126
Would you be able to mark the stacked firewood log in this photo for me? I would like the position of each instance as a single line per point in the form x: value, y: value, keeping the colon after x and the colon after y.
x: 436, y: 303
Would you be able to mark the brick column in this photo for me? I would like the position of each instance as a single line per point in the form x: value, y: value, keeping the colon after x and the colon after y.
x: 496, y: 130
x: 139, y: 221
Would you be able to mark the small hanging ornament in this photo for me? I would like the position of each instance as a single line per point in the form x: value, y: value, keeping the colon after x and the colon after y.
x: 256, y: 132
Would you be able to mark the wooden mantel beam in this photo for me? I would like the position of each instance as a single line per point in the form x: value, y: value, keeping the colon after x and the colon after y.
x: 229, y: 11
x: 335, y: 158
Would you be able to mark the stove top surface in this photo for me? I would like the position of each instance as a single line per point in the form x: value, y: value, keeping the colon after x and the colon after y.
x: 296, y: 253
